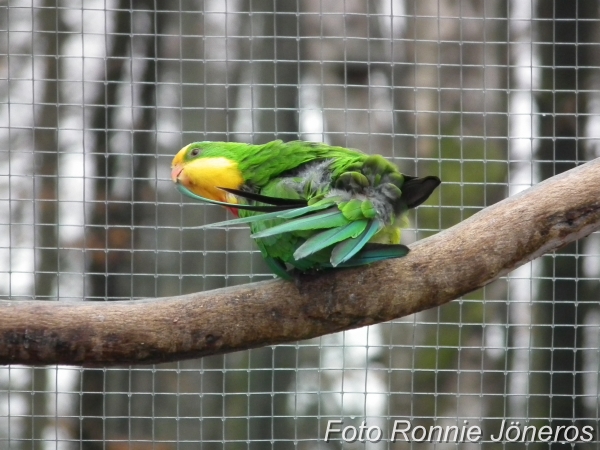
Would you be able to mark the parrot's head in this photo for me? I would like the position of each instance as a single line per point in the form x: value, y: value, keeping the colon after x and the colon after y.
x: 205, y: 167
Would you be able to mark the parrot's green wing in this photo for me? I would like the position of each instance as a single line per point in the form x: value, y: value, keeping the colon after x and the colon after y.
x: 341, y: 219
x: 313, y: 206
x: 344, y: 222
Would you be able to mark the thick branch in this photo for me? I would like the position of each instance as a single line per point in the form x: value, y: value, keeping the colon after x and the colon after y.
x: 438, y: 269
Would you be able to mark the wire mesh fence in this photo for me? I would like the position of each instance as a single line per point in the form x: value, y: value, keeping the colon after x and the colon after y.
x: 96, y: 97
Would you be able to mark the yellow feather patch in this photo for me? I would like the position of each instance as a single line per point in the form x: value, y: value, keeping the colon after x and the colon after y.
x: 204, y: 177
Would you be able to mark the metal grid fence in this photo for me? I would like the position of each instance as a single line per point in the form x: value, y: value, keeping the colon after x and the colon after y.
x: 97, y: 96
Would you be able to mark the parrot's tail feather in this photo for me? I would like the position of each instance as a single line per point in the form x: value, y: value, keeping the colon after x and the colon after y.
x: 416, y: 190
x: 329, y: 237
x: 347, y: 249
x: 371, y: 253
x: 285, y: 203
x: 330, y: 218
x: 257, y: 208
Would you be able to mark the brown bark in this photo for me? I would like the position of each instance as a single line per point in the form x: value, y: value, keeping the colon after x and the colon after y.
x: 439, y: 269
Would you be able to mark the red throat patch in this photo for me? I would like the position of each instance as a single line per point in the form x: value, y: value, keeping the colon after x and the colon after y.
x: 234, y: 211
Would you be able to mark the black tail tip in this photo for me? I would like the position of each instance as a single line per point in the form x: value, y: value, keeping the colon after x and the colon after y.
x: 416, y: 190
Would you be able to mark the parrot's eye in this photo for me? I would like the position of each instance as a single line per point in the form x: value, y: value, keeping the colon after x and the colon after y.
x: 195, y: 152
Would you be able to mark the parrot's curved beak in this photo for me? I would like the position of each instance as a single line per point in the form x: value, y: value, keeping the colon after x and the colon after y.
x: 176, y: 172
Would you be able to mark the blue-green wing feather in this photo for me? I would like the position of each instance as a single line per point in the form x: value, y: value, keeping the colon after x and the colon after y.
x: 376, y: 252
x: 259, y: 217
x: 348, y: 248
x: 325, y: 219
x: 318, y: 206
x: 329, y: 237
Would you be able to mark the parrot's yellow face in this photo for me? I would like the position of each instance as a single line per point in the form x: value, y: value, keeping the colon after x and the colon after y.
x: 204, y: 176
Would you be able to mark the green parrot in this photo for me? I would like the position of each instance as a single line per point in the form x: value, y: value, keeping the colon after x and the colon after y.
x: 309, y: 205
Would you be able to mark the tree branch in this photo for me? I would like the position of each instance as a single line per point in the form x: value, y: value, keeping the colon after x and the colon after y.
x: 439, y: 269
